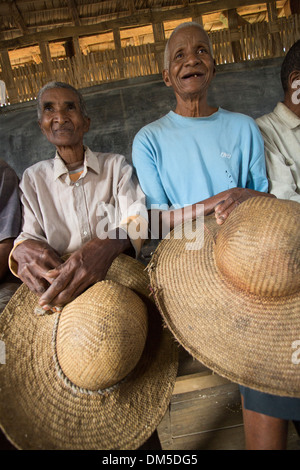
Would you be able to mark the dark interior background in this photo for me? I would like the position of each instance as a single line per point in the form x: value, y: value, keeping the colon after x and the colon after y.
x: 118, y: 110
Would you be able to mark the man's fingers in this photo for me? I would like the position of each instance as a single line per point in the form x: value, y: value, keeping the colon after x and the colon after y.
x: 222, y: 215
x: 57, y: 286
x: 37, y: 285
x: 52, y: 274
x: 69, y: 294
x: 64, y: 296
x: 34, y: 278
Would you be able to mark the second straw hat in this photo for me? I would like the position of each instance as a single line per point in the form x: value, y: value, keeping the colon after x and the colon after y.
x: 234, y: 304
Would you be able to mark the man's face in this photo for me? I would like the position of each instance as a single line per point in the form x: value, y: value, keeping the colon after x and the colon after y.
x: 192, y: 66
x: 62, y: 121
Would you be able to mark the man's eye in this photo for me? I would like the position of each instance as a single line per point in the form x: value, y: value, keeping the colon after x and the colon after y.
x: 202, y: 50
x: 179, y: 55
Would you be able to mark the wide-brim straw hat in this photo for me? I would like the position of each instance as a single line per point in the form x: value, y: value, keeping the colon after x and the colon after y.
x: 49, y: 384
x: 234, y: 304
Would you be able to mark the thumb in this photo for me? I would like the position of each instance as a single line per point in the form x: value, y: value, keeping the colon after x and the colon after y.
x: 52, y: 274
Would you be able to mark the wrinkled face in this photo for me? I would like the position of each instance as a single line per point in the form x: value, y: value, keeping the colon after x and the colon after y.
x: 192, y: 66
x: 62, y: 121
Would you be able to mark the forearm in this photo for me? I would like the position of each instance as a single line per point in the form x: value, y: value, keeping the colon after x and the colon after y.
x: 162, y: 222
x: 120, y: 242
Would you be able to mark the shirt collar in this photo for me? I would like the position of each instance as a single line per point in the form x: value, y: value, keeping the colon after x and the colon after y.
x: 285, y: 114
x: 90, y: 161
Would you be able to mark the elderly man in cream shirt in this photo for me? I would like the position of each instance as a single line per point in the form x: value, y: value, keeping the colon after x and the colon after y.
x: 84, y: 205
x: 281, y: 132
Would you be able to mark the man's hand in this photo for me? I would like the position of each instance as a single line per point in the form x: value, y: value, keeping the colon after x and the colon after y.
x: 35, y: 259
x: 87, y: 265
x: 232, y: 199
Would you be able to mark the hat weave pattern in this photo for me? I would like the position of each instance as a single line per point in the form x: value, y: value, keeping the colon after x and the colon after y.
x: 234, y: 304
x: 39, y: 411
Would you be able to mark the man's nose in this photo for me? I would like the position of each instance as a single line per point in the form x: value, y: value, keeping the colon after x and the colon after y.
x: 192, y: 58
x: 60, y: 116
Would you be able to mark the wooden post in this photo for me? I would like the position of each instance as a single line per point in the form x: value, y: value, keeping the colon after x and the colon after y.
x: 198, y: 19
x: 46, y: 60
x: 275, y: 35
x: 159, y: 44
x: 69, y: 48
x: 118, y: 49
x: 79, y: 73
x: 233, y: 24
x: 8, y: 77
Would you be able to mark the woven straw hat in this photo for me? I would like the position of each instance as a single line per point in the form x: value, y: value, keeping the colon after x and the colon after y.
x: 234, y: 303
x: 98, y: 375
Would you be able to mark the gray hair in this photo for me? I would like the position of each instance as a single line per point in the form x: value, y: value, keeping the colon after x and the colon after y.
x: 54, y: 84
x: 187, y: 24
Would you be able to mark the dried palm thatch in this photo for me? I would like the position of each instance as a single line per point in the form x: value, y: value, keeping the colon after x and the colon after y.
x: 88, y: 42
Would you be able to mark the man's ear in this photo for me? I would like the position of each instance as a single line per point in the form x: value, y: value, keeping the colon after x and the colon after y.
x: 166, y: 77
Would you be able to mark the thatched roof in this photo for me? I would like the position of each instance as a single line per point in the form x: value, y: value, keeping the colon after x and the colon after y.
x: 88, y: 42
x: 27, y: 22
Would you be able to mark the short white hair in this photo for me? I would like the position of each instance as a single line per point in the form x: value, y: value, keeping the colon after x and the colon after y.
x: 55, y: 84
x: 187, y: 24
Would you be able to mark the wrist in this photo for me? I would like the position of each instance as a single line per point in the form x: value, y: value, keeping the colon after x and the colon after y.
x: 116, y: 241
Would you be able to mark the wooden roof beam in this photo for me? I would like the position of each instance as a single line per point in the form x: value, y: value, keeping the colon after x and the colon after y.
x: 136, y: 19
x: 74, y: 12
x: 18, y: 19
x: 131, y: 7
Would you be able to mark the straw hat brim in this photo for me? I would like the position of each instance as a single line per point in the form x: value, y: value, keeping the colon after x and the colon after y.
x: 246, y: 338
x: 39, y: 411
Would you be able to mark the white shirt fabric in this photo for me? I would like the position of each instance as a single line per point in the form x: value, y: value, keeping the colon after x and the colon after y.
x: 67, y: 214
x: 281, y: 133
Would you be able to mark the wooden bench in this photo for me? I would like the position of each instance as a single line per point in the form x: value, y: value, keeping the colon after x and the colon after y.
x: 205, y: 412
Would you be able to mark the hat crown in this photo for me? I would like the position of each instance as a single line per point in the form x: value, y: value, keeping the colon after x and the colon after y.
x: 101, y: 336
x: 258, y: 248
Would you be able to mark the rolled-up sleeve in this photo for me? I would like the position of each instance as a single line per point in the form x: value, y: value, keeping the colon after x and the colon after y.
x: 131, y: 203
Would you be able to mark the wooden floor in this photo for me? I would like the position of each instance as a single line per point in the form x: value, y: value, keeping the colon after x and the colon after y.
x: 205, y: 412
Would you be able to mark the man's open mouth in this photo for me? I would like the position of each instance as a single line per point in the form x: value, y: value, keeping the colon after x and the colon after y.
x: 192, y: 75
x: 63, y: 130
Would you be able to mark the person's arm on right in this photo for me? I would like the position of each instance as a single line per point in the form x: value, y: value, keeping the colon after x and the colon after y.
x: 281, y: 172
x: 10, y: 215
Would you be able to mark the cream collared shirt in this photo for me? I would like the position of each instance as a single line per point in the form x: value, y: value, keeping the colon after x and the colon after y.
x: 67, y: 214
x: 281, y: 133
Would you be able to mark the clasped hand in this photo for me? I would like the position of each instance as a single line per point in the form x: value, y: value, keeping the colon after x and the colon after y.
x: 56, y: 282
x: 231, y: 199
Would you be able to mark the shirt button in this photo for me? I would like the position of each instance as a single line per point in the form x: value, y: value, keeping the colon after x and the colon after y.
x: 76, y: 184
x: 85, y: 233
